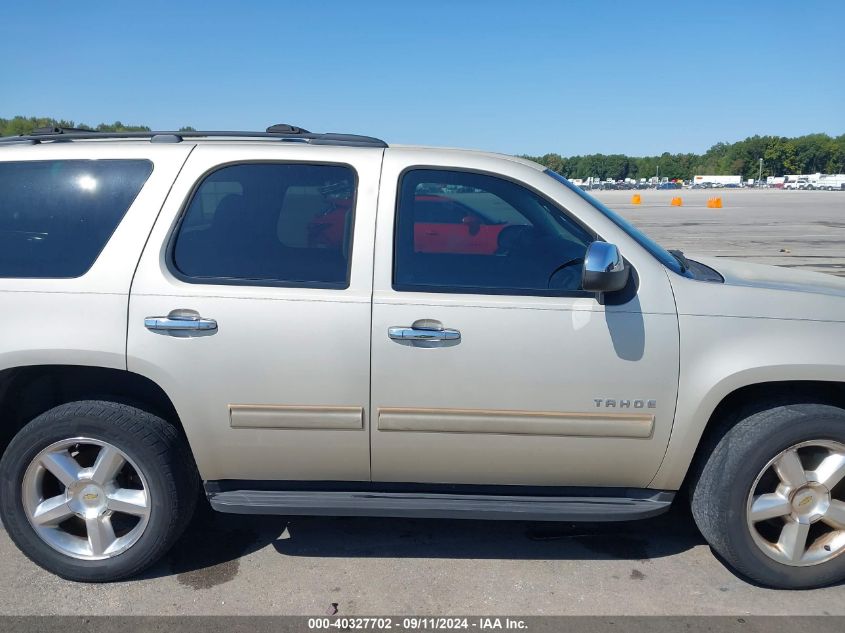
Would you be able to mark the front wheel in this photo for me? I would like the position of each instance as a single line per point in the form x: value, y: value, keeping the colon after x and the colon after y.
x: 96, y: 491
x: 770, y: 498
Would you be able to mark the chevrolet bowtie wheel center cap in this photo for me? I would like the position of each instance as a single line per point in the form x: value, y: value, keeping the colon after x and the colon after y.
x: 86, y: 499
x: 810, y: 503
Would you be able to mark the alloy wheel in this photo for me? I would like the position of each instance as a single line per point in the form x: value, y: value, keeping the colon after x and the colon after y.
x: 86, y: 498
x: 796, y: 507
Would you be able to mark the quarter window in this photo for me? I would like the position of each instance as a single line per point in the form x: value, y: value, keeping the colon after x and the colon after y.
x: 460, y: 231
x: 269, y: 224
x: 57, y: 216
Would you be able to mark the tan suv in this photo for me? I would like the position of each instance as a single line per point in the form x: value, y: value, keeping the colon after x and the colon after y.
x: 322, y: 324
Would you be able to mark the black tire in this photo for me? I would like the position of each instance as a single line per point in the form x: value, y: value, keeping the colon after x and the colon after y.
x: 720, y: 489
x: 151, y: 443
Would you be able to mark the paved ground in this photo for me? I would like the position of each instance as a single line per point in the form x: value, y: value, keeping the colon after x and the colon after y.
x: 248, y: 565
x: 264, y: 565
x: 803, y: 229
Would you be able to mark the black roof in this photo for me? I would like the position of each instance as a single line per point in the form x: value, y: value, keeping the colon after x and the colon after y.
x: 281, y: 132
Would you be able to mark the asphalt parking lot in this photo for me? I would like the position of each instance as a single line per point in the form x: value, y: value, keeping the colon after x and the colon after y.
x: 228, y: 564
x: 800, y: 229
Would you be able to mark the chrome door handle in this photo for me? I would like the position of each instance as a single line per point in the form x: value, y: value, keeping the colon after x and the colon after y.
x: 423, y: 334
x: 180, y: 321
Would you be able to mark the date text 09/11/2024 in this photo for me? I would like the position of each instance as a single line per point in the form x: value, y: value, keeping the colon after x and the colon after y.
x: 418, y: 623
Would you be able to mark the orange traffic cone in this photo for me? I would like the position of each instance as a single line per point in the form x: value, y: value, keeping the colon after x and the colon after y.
x: 714, y: 202
x: 636, y: 199
x: 677, y: 202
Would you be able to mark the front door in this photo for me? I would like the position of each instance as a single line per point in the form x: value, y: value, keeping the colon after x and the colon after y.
x: 251, y: 309
x: 491, y: 366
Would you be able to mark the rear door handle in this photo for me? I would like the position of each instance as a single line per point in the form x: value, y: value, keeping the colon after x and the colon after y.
x: 180, y: 321
x: 423, y: 330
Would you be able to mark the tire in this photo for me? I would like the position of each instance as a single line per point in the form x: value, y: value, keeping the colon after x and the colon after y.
x: 156, y: 464
x: 746, y: 459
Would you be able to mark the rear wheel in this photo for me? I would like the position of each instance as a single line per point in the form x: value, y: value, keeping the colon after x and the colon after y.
x: 770, y: 499
x: 95, y: 490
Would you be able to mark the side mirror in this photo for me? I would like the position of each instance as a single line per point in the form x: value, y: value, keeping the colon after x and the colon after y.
x: 604, y: 268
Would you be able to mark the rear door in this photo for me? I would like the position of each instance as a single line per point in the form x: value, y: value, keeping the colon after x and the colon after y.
x: 251, y: 309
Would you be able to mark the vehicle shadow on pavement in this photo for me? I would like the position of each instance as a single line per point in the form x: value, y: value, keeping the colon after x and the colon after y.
x: 666, y: 535
x: 209, y: 552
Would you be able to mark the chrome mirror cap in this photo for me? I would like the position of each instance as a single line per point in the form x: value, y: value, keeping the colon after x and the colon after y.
x: 604, y: 268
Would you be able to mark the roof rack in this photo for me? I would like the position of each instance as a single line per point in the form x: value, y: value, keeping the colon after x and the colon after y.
x: 281, y: 132
x: 41, y: 131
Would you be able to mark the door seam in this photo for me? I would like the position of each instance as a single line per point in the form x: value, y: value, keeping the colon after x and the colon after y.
x: 141, y: 256
x: 370, y: 415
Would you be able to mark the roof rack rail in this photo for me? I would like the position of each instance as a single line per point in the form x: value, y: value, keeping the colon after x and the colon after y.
x: 284, y: 128
x: 281, y: 131
x: 41, y: 131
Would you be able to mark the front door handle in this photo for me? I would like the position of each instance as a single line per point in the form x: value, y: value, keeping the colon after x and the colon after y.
x: 180, y: 321
x: 423, y: 330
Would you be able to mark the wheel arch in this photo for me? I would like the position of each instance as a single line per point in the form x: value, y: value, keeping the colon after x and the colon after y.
x: 28, y: 391
x: 693, y: 438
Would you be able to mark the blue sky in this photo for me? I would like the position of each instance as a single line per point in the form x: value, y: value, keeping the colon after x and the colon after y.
x: 518, y: 77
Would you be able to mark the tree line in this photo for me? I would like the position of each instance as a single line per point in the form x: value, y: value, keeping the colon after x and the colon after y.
x: 781, y: 155
x: 25, y: 125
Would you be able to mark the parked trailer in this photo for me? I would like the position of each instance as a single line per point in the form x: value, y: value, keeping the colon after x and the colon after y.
x: 717, y: 180
x: 830, y: 182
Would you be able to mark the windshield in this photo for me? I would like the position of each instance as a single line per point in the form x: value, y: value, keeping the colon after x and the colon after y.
x: 665, y: 257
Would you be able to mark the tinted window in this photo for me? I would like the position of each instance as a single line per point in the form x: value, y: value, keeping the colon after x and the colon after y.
x: 56, y: 216
x: 269, y: 224
x: 466, y: 232
x: 440, y: 210
x: 660, y: 253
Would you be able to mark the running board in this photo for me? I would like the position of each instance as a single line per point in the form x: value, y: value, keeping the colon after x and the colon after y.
x: 636, y: 504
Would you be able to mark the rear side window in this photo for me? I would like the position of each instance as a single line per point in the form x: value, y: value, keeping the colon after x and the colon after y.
x: 269, y: 224
x: 57, y: 216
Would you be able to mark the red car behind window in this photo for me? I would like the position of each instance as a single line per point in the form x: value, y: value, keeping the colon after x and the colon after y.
x: 441, y: 225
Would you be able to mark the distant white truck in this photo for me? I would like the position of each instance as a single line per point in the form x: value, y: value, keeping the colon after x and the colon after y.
x: 801, y: 183
x: 718, y: 180
x: 830, y: 182
x: 810, y: 179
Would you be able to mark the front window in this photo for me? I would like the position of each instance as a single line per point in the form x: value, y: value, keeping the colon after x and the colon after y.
x: 665, y: 257
x: 466, y: 232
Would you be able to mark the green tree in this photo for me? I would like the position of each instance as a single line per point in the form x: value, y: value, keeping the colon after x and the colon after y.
x: 25, y: 125
x: 801, y: 155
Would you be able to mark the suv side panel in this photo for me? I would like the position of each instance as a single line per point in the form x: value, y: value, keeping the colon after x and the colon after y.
x: 82, y: 321
x: 280, y: 391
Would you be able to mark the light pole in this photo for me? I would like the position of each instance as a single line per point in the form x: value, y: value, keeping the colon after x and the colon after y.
x: 658, y: 174
x: 760, y: 177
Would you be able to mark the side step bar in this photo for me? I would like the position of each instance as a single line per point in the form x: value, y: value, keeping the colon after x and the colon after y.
x: 636, y: 504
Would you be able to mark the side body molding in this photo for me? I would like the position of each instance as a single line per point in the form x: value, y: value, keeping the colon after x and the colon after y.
x: 253, y: 416
x: 601, y: 424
